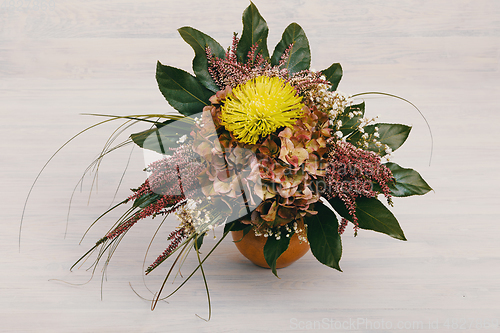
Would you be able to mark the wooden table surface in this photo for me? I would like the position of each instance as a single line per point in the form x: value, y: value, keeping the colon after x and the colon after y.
x: 59, y: 59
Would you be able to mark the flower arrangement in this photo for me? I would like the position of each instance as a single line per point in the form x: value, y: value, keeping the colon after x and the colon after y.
x: 264, y: 145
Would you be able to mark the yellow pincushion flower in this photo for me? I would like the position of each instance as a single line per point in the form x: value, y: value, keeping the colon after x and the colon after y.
x: 259, y: 107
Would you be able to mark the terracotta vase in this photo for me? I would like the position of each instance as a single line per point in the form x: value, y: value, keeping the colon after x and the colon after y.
x: 252, y: 247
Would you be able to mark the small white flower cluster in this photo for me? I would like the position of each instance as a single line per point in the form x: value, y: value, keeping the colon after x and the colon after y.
x: 193, y: 219
x: 277, y: 232
x: 373, y: 138
x: 332, y: 103
x: 182, y: 139
x: 352, y: 114
x: 199, y: 121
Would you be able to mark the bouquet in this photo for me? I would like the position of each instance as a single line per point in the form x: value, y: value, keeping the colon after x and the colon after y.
x: 263, y: 145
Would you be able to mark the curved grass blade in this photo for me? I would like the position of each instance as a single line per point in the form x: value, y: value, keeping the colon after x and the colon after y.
x: 414, y: 106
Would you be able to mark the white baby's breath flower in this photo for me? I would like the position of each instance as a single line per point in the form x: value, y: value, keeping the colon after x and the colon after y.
x: 182, y: 139
x: 339, y: 134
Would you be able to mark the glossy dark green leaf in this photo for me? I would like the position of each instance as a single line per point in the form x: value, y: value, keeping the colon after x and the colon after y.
x: 300, y: 55
x: 407, y: 181
x: 350, y: 124
x: 333, y: 74
x: 340, y: 207
x: 146, y: 199
x: 393, y: 135
x: 323, y: 236
x: 199, y: 42
x: 373, y: 215
x: 164, y: 137
x: 182, y: 90
x: 273, y: 249
x: 235, y: 226
x: 255, y: 30
x: 245, y: 232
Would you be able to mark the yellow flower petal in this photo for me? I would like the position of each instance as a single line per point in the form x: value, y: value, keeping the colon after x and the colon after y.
x: 259, y: 107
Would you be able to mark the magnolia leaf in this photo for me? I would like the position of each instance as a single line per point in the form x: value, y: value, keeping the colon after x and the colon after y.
x: 299, y: 57
x: 245, y: 232
x: 323, y: 236
x: 199, y: 42
x: 333, y: 74
x: 165, y: 136
x: 407, y: 181
x: 235, y: 226
x: 182, y: 90
x: 350, y: 118
x: 273, y: 249
x: 392, y: 135
x: 340, y: 207
x: 373, y: 215
x: 146, y: 200
x: 255, y: 30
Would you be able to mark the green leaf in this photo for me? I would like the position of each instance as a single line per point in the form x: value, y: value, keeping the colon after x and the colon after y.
x: 245, y: 232
x: 199, y: 42
x: 333, y: 74
x: 199, y: 241
x: 373, y: 215
x: 235, y: 226
x: 300, y: 55
x: 255, y: 30
x: 349, y: 125
x: 273, y: 249
x: 164, y: 137
x: 182, y: 90
x: 340, y: 208
x: 323, y: 236
x: 393, y: 135
x: 407, y: 181
x: 146, y: 199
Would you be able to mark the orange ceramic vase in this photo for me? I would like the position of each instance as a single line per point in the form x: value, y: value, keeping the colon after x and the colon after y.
x: 252, y: 247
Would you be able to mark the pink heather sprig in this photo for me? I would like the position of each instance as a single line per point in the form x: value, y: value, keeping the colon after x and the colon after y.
x: 176, y: 174
x: 176, y: 238
x: 285, y: 56
x: 139, y: 192
x: 343, y: 225
x: 229, y: 72
x: 256, y: 60
x: 306, y: 80
x: 231, y: 54
x: 150, y: 210
x: 351, y: 173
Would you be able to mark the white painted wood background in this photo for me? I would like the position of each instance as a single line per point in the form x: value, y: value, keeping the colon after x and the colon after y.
x: 66, y: 58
